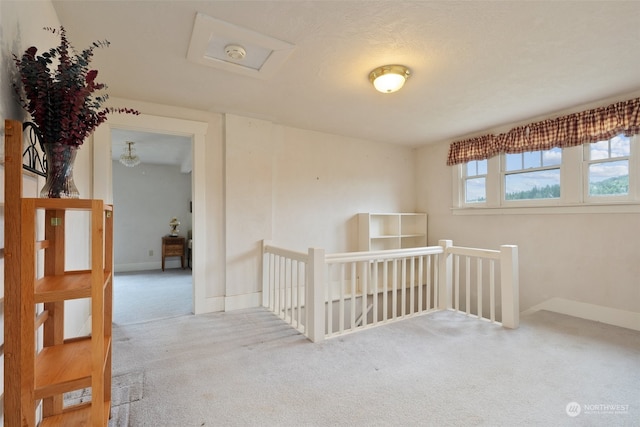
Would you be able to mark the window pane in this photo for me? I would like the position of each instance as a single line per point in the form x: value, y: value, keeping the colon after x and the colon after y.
x: 552, y: 157
x: 533, y: 185
x: 477, y: 167
x: 620, y: 146
x: 482, y: 167
x: 513, y: 162
x: 475, y: 190
x: 471, y: 168
x: 609, y: 178
x: 532, y: 159
x: 599, y: 150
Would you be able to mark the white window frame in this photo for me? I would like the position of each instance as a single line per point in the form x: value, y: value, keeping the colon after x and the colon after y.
x: 574, y: 183
x: 526, y: 202
x: 632, y: 170
x: 465, y: 178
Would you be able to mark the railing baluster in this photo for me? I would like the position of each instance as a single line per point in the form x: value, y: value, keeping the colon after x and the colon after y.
x: 394, y: 294
x: 492, y: 290
x: 272, y: 281
x: 385, y: 290
x: 364, y: 268
x: 300, y: 287
x: 467, y: 302
x: 283, y: 286
x: 374, y: 279
x: 290, y: 302
x: 403, y: 284
x: 294, y: 293
x: 353, y: 295
x: 276, y: 284
x: 436, y: 282
x: 329, y: 298
x: 342, y: 290
x: 456, y: 292
x: 421, y: 281
x: 479, y: 284
x: 412, y: 281
x: 428, y: 282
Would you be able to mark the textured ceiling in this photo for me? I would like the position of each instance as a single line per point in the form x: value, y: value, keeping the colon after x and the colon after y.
x: 475, y: 64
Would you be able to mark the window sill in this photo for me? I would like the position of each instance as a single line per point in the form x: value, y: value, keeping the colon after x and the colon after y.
x: 591, y: 208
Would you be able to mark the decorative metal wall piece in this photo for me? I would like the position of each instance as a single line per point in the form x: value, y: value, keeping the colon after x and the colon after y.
x: 34, y: 159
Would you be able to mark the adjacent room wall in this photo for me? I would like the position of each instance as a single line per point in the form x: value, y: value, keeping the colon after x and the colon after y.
x: 577, y: 260
x: 145, y: 198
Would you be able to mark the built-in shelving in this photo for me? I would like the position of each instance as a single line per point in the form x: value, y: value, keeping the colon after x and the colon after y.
x: 383, y: 231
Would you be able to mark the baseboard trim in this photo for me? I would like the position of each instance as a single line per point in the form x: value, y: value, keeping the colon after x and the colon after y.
x: 598, y: 313
x: 144, y: 266
x: 238, y: 302
x: 210, y: 305
x: 139, y: 266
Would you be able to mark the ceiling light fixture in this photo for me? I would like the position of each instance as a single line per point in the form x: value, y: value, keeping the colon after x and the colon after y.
x: 129, y: 157
x: 389, y: 78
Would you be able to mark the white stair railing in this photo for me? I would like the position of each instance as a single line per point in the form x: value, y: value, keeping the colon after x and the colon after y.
x: 466, y: 273
x: 325, y: 295
x: 366, y: 289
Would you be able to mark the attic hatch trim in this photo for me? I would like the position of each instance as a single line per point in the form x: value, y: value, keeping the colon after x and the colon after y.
x: 210, y: 35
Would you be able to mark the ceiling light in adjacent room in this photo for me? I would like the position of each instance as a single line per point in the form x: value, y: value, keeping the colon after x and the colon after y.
x: 129, y: 157
x: 389, y: 78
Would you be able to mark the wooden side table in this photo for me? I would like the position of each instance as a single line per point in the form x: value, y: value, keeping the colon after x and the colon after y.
x: 173, y: 246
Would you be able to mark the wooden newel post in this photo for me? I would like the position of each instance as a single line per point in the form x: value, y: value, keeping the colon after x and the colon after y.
x: 314, y: 295
x: 445, y: 273
x: 510, y: 287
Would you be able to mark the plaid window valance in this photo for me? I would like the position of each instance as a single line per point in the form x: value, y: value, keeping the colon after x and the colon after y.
x: 567, y: 131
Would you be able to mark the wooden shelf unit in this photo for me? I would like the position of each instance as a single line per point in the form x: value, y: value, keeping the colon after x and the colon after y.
x: 40, y: 365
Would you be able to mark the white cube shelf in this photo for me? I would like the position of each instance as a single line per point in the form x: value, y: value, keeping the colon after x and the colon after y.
x: 382, y: 231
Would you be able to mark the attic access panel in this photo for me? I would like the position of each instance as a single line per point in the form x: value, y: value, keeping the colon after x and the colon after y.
x: 264, y: 55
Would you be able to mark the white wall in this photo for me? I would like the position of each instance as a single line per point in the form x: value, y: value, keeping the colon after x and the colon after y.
x: 322, y: 181
x: 145, y: 198
x: 301, y: 188
x: 586, y: 258
x: 249, y: 151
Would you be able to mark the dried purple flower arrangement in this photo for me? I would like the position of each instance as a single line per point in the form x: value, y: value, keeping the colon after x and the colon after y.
x: 59, y: 91
x: 59, y: 95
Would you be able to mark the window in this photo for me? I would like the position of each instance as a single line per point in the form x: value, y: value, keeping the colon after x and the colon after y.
x: 607, y: 166
x: 602, y: 173
x: 532, y: 175
x: 475, y: 182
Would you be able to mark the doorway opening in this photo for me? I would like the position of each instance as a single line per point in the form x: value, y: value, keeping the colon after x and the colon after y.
x: 152, y: 195
x: 103, y: 182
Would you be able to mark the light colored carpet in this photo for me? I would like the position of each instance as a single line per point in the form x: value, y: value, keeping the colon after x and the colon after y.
x: 151, y: 295
x: 248, y: 368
